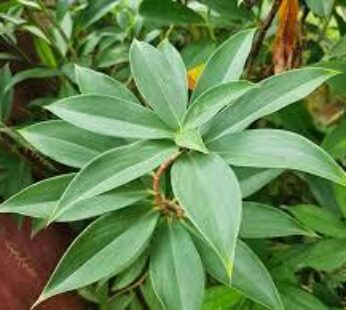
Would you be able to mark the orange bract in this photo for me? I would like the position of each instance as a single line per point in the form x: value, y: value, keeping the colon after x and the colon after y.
x: 194, y: 74
x: 286, y: 46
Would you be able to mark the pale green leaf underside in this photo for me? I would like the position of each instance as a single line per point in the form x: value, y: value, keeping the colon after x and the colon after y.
x: 176, y: 271
x: 190, y: 139
x: 266, y: 148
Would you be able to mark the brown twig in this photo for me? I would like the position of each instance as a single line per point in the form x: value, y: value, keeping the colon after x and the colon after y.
x: 261, y: 35
x: 166, y: 206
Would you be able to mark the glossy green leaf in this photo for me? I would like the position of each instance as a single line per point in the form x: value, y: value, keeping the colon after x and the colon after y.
x: 190, y: 139
x: 176, y: 271
x: 226, y: 63
x: 252, y: 180
x: 6, y: 94
x: 94, y: 11
x: 321, y: 7
x: 272, y: 95
x: 253, y: 279
x: 130, y: 274
x: 326, y: 255
x: 209, y: 192
x: 68, y: 144
x: 319, y: 220
x: 155, y: 77
x: 167, y: 12
x: 335, y: 141
x: 117, y: 239
x: 40, y: 199
x: 206, y: 106
x: 91, y: 82
x: 110, y: 116
x: 295, y: 298
x: 266, y: 148
x: 113, y: 169
x: 221, y: 298
x: 263, y: 221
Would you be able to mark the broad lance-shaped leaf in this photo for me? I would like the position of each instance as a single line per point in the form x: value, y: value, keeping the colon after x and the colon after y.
x: 91, y: 82
x: 252, y: 278
x: 113, y: 169
x: 206, y: 106
x: 263, y: 221
x: 110, y: 116
x: 107, y: 246
x: 266, y: 148
x: 226, y: 63
x: 249, y: 276
x: 252, y: 180
x: 272, y: 95
x: 190, y: 139
x: 176, y: 271
x: 66, y: 143
x: 155, y: 74
x: 40, y: 199
x: 208, y: 190
x: 177, y: 66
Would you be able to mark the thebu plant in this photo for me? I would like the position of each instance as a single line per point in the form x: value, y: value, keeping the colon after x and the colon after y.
x: 160, y: 171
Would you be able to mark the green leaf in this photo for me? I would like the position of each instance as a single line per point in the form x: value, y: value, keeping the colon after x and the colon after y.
x: 252, y: 180
x: 253, y: 279
x: 319, y: 220
x: 6, y: 94
x: 272, y: 95
x: 117, y: 239
x: 335, y: 141
x: 40, y: 199
x: 91, y: 82
x: 190, y: 139
x: 226, y: 64
x: 207, y: 105
x: 321, y: 7
x: 208, y: 191
x: 295, y: 298
x: 178, y: 68
x: 167, y: 12
x: 113, y: 169
x: 221, y: 298
x: 110, y: 116
x: 266, y: 148
x: 263, y: 221
x: 94, y: 11
x: 155, y: 77
x: 176, y: 271
x: 68, y: 144
x: 130, y: 274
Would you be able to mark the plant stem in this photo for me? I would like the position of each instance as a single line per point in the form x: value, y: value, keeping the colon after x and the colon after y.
x: 158, y: 198
x: 261, y: 35
x: 52, y: 19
